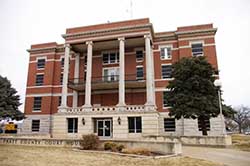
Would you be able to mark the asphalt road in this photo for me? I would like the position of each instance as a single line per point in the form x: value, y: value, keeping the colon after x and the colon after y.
x: 229, y: 157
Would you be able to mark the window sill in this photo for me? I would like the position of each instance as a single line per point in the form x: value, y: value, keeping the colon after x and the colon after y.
x: 40, y: 68
x: 166, y: 59
x: 167, y: 79
x: 166, y: 107
x: 36, y: 111
x: 110, y: 63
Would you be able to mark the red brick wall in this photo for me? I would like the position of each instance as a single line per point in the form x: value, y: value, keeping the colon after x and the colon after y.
x: 53, y: 68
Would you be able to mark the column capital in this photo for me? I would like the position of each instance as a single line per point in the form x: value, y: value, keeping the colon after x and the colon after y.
x: 89, y: 42
x: 121, y: 38
x: 148, y: 36
x: 67, y: 45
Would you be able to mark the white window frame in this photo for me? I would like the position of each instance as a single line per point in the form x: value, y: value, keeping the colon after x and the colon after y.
x: 143, y: 54
x: 172, y: 128
x: 39, y: 58
x: 110, y: 68
x: 140, y: 78
x: 166, y: 64
x: 163, y: 106
x: 166, y: 46
x: 36, y: 79
x: 38, y: 126
x: 62, y: 57
x: 34, y: 102
x: 109, y: 52
x: 197, y: 42
x: 73, y: 131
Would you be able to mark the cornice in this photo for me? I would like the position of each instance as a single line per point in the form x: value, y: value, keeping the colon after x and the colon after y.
x: 46, y: 50
x: 200, y: 31
x: 106, y: 31
x: 176, y: 35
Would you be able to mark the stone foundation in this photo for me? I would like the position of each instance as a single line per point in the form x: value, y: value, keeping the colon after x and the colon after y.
x: 165, y: 147
x: 45, y: 124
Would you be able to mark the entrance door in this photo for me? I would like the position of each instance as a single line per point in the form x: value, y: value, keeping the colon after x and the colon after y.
x: 104, y: 128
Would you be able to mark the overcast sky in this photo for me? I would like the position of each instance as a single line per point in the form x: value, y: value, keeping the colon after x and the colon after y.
x: 26, y: 22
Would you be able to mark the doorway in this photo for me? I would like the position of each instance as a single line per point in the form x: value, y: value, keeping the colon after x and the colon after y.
x: 104, y: 127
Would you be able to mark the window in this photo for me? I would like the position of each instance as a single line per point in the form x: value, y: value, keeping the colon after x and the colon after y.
x: 62, y: 62
x: 85, y: 59
x: 207, y: 123
x: 197, y: 49
x: 110, y: 57
x: 111, y: 74
x: 165, y: 102
x: 59, y: 100
x: 37, y: 104
x: 134, y: 125
x: 105, y: 58
x: 85, y: 75
x: 72, y: 125
x: 166, y: 71
x: 169, y: 124
x: 39, y: 79
x: 139, y: 73
x: 139, y: 55
x: 61, y: 78
x: 40, y: 63
x: 166, y: 53
x: 35, y: 125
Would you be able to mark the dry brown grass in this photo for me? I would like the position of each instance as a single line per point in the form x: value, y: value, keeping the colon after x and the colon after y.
x: 11, y: 155
x: 241, y: 142
x: 137, y: 151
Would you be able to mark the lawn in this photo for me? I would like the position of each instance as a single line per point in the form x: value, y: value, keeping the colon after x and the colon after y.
x: 241, y: 142
x: 12, y: 155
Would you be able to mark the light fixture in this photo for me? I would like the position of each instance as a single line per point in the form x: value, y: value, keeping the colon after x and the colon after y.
x: 218, y: 84
x: 119, y: 120
x: 83, y: 121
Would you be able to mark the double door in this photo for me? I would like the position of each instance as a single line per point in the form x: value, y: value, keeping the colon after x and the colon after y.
x: 104, y: 128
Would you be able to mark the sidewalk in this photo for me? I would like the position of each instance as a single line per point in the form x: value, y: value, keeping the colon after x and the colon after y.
x: 230, y: 157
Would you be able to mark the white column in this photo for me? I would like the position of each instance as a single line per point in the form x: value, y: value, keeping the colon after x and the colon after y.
x: 153, y: 74
x: 149, y: 81
x: 76, y: 79
x: 121, y: 102
x: 88, y: 76
x: 65, y: 76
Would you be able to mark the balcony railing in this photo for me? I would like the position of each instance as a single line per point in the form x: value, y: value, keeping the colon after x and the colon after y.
x: 107, y: 82
x: 128, y: 108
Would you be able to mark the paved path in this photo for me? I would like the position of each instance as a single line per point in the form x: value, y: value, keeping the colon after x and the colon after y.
x: 230, y: 157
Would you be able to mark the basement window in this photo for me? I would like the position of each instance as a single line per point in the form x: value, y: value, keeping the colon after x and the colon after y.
x: 169, y: 124
x: 72, y: 125
x: 35, y: 125
x: 207, y: 123
x: 134, y: 125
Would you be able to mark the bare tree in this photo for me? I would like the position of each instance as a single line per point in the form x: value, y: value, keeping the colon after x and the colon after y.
x: 242, y: 117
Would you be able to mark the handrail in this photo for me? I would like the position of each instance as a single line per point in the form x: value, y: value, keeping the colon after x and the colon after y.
x: 107, y: 79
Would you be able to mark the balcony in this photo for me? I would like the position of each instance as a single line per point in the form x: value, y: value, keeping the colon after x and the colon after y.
x: 107, y: 82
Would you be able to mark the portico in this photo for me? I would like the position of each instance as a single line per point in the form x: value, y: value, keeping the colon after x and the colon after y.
x: 124, y: 81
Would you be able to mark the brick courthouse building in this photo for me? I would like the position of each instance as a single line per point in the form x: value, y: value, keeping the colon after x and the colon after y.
x: 110, y: 79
